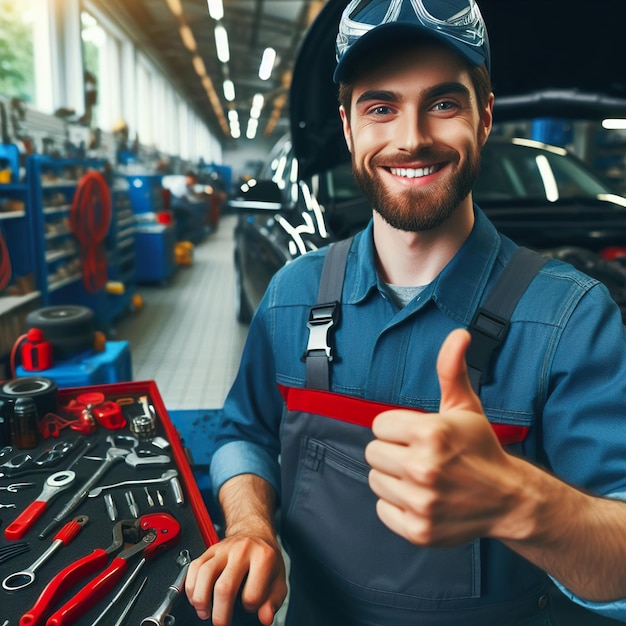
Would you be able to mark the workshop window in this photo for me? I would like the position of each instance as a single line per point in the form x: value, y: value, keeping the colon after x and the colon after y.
x: 17, y: 65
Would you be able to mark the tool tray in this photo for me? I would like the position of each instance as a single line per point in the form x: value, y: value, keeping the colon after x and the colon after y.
x: 196, y: 534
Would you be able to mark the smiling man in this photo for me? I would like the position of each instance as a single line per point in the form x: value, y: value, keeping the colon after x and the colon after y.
x: 407, y: 497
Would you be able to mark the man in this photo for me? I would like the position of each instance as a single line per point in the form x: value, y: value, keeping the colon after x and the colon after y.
x: 430, y: 516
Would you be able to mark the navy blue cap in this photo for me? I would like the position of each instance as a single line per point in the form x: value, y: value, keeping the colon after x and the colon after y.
x: 367, y: 24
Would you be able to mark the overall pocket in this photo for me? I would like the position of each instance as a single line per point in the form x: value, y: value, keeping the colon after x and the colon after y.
x: 331, y: 517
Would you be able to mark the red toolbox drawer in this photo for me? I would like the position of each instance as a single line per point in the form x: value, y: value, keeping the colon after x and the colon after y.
x: 147, y: 463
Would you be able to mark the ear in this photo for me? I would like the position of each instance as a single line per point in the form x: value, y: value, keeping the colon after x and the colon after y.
x: 345, y: 123
x: 486, y: 121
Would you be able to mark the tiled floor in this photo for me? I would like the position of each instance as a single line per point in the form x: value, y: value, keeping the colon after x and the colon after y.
x: 186, y: 337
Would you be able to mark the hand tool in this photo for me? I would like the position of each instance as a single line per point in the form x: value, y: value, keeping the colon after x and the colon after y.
x: 149, y: 535
x: 148, y: 497
x: 23, y: 578
x: 109, y: 503
x: 25, y: 463
x: 158, y: 618
x: 163, y: 479
x: 10, y: 551
x: 7, y: 506
x: 113, y: 455
x: 136, y: 459
x: 13, y: 488
x: 114, y: 600
x: 54, y: 485
x: 177, y: 490
x: 132, y: 504
x: 119, y: 621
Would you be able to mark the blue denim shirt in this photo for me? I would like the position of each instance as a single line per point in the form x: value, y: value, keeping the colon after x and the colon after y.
x: 561, y: 371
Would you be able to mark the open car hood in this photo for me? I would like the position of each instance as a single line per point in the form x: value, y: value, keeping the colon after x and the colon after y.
x: 550, y: 58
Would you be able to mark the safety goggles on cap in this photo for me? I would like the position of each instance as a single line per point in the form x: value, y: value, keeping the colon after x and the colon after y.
x: 366, y: 23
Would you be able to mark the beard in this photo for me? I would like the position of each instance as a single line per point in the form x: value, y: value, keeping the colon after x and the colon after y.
x: 419, y: 209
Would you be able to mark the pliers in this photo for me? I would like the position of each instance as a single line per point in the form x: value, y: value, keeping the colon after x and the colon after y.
x: 149, y: 535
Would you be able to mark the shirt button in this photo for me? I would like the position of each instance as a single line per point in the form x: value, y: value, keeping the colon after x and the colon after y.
x: 542, y: 602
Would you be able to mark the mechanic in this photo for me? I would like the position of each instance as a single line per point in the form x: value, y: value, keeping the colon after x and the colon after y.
x: 426, y: 517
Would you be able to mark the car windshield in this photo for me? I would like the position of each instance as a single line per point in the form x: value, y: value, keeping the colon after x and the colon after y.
x: 512, y: 172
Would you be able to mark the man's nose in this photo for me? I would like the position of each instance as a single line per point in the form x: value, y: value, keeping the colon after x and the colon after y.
x: 414, y: 133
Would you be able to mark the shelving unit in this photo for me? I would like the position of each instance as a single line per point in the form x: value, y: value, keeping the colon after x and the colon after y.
x: 16, y: 228
x: 60, y: 260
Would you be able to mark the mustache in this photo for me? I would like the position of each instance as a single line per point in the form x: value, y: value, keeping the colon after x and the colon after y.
x: 428, y: 155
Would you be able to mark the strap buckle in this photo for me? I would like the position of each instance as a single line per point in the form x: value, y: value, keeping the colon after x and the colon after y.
x: 490, y: 332
x: 322, y: 318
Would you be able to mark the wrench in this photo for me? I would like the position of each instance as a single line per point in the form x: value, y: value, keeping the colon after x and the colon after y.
x: 54, y: 485
x: 164, y: 478
x: 16, y: 486
x: 113, y: 455
x: 19, y: 580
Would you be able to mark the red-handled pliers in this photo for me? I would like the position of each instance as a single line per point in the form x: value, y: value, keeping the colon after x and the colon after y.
x: 150, y: 534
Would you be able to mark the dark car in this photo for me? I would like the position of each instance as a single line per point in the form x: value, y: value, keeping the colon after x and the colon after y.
x: 540, y: 195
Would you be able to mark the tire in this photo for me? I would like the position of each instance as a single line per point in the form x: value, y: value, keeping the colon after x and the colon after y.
x: 70, y: 329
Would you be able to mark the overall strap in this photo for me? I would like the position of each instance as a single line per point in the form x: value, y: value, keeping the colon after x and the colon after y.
x: 324, y: 316
x: 491, y: 321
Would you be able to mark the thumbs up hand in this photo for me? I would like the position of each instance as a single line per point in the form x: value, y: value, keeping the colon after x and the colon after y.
x: 443, y: 478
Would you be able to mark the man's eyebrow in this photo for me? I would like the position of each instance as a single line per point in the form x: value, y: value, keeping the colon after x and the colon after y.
x: 373, y: 94
x: 448, y: 88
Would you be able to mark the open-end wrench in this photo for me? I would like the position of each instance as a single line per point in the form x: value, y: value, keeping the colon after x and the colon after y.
x: 23, y: 578
x: 113, y: 455
x: 164, y: 478
x: 54, y: 485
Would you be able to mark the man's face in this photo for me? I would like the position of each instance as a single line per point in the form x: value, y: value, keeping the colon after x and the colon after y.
x: 415, y: 135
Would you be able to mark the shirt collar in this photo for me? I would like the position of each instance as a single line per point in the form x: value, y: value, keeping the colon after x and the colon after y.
x: 458, y: 288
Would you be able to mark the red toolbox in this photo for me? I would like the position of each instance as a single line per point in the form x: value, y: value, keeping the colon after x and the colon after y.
x: 163, y: 516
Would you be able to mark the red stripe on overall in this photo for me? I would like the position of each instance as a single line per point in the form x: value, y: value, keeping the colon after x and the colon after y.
x: 362, y: 412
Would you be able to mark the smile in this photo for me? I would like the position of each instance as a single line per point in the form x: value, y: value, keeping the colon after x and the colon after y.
x: 411, y: 172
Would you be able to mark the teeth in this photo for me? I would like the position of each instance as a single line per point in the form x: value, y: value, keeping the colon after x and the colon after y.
x: 407, y: 172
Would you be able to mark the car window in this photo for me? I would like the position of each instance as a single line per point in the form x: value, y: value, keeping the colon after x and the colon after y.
x: 522, y: 170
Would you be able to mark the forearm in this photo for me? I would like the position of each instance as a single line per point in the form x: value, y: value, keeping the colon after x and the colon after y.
x: 248, y: 503
x: 578, y: 539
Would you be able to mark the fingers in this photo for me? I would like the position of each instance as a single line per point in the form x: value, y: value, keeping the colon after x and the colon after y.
x: 251, y: 568
x: 456, y: 389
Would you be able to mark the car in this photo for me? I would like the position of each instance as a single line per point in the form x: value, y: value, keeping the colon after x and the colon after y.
x: 540, y: 195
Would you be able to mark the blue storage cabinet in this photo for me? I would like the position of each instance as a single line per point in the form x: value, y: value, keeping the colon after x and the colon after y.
x: 154, y: 241
x: 21, y: 295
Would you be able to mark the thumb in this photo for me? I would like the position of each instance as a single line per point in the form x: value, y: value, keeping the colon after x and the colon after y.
x: 456, y: 389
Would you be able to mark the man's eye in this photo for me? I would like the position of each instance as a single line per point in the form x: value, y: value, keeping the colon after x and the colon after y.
x: 380, y: 110
x: 444, y: 106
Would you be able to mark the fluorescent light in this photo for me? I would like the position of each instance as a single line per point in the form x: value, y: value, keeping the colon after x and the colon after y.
x: 257, y: 101
x: 267, y: 63
x: 233, y: 116
x: 221, y: 44
x: 198, y: 65
x: 614, y: 124
x: 252, y: 128
x: 175, y: 7
x: 188, y: 39
x: 229, y: 90
x: 216, y: 9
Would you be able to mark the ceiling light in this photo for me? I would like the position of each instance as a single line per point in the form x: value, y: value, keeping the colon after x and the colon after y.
x: 257, y: 101
x: 188, y: 39
x: 221, y: 44
x: 175, y: 7
x: 251, y: 130
x: 614, y: 124
x: 216, y: 9
x: 198, y: 65
x: 229, y: 90
x: 267, y: 63
x: 233, y: 116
